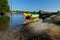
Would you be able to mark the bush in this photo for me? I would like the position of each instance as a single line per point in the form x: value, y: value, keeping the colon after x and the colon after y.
x: 4, y: 22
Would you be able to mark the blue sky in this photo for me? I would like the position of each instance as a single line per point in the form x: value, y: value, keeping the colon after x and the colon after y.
x: 35, y: 5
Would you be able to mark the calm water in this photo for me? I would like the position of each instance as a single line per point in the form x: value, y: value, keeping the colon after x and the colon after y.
x: 16, y: 20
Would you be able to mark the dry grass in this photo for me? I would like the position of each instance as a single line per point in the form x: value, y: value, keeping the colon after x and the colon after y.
x: 54, y: 32
x: 51, y: 33
x: 58, y: 17
x: 4, y: 35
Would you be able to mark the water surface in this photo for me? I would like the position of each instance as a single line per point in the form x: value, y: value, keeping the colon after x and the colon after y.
x: 15, y: 20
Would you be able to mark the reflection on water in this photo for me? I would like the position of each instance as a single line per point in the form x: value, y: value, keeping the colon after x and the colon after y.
x: 15, y: 20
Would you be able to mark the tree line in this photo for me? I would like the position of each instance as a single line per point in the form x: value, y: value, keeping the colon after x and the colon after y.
x: 4, y: 7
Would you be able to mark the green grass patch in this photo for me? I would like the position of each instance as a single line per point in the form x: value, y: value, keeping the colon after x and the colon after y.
x: 4, y: 22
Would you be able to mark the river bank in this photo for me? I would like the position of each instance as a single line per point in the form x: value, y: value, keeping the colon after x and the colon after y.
x: 34, y: 30
x: 5, y: 35
x: 42, y: 31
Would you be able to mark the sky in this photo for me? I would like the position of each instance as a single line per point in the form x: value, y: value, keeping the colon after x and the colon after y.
x: 35, y: 5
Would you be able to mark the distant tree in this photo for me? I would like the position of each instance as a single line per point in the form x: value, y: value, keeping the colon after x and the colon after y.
x: 34, y: 12
x: 4, y: 7
x: 17, y: 10
x: 58, y: 11
x: 14, y: 11
x: 39, y: 12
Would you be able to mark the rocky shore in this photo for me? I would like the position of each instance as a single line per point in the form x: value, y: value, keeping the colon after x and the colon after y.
x: 35, y: 30
x: 42, y: 31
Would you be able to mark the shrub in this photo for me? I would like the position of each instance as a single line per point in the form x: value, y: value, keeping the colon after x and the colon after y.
x: 4, y: 22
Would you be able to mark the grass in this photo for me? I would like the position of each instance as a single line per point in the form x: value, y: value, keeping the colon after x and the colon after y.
x: 54, y: 32
x: 51, y: 33
x: 4, y: 22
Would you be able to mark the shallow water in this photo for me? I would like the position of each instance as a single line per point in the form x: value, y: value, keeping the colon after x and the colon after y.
x: 15, y: 20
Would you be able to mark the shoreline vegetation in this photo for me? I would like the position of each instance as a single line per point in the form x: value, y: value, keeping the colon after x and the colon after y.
x: 4, y: 23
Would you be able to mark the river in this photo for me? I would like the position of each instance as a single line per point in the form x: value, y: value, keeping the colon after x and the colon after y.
x: 15, y: 20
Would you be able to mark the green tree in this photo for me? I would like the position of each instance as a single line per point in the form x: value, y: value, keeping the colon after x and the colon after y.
x: 4, y: 7
x: 58, y: 11
x: 34, y: 12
